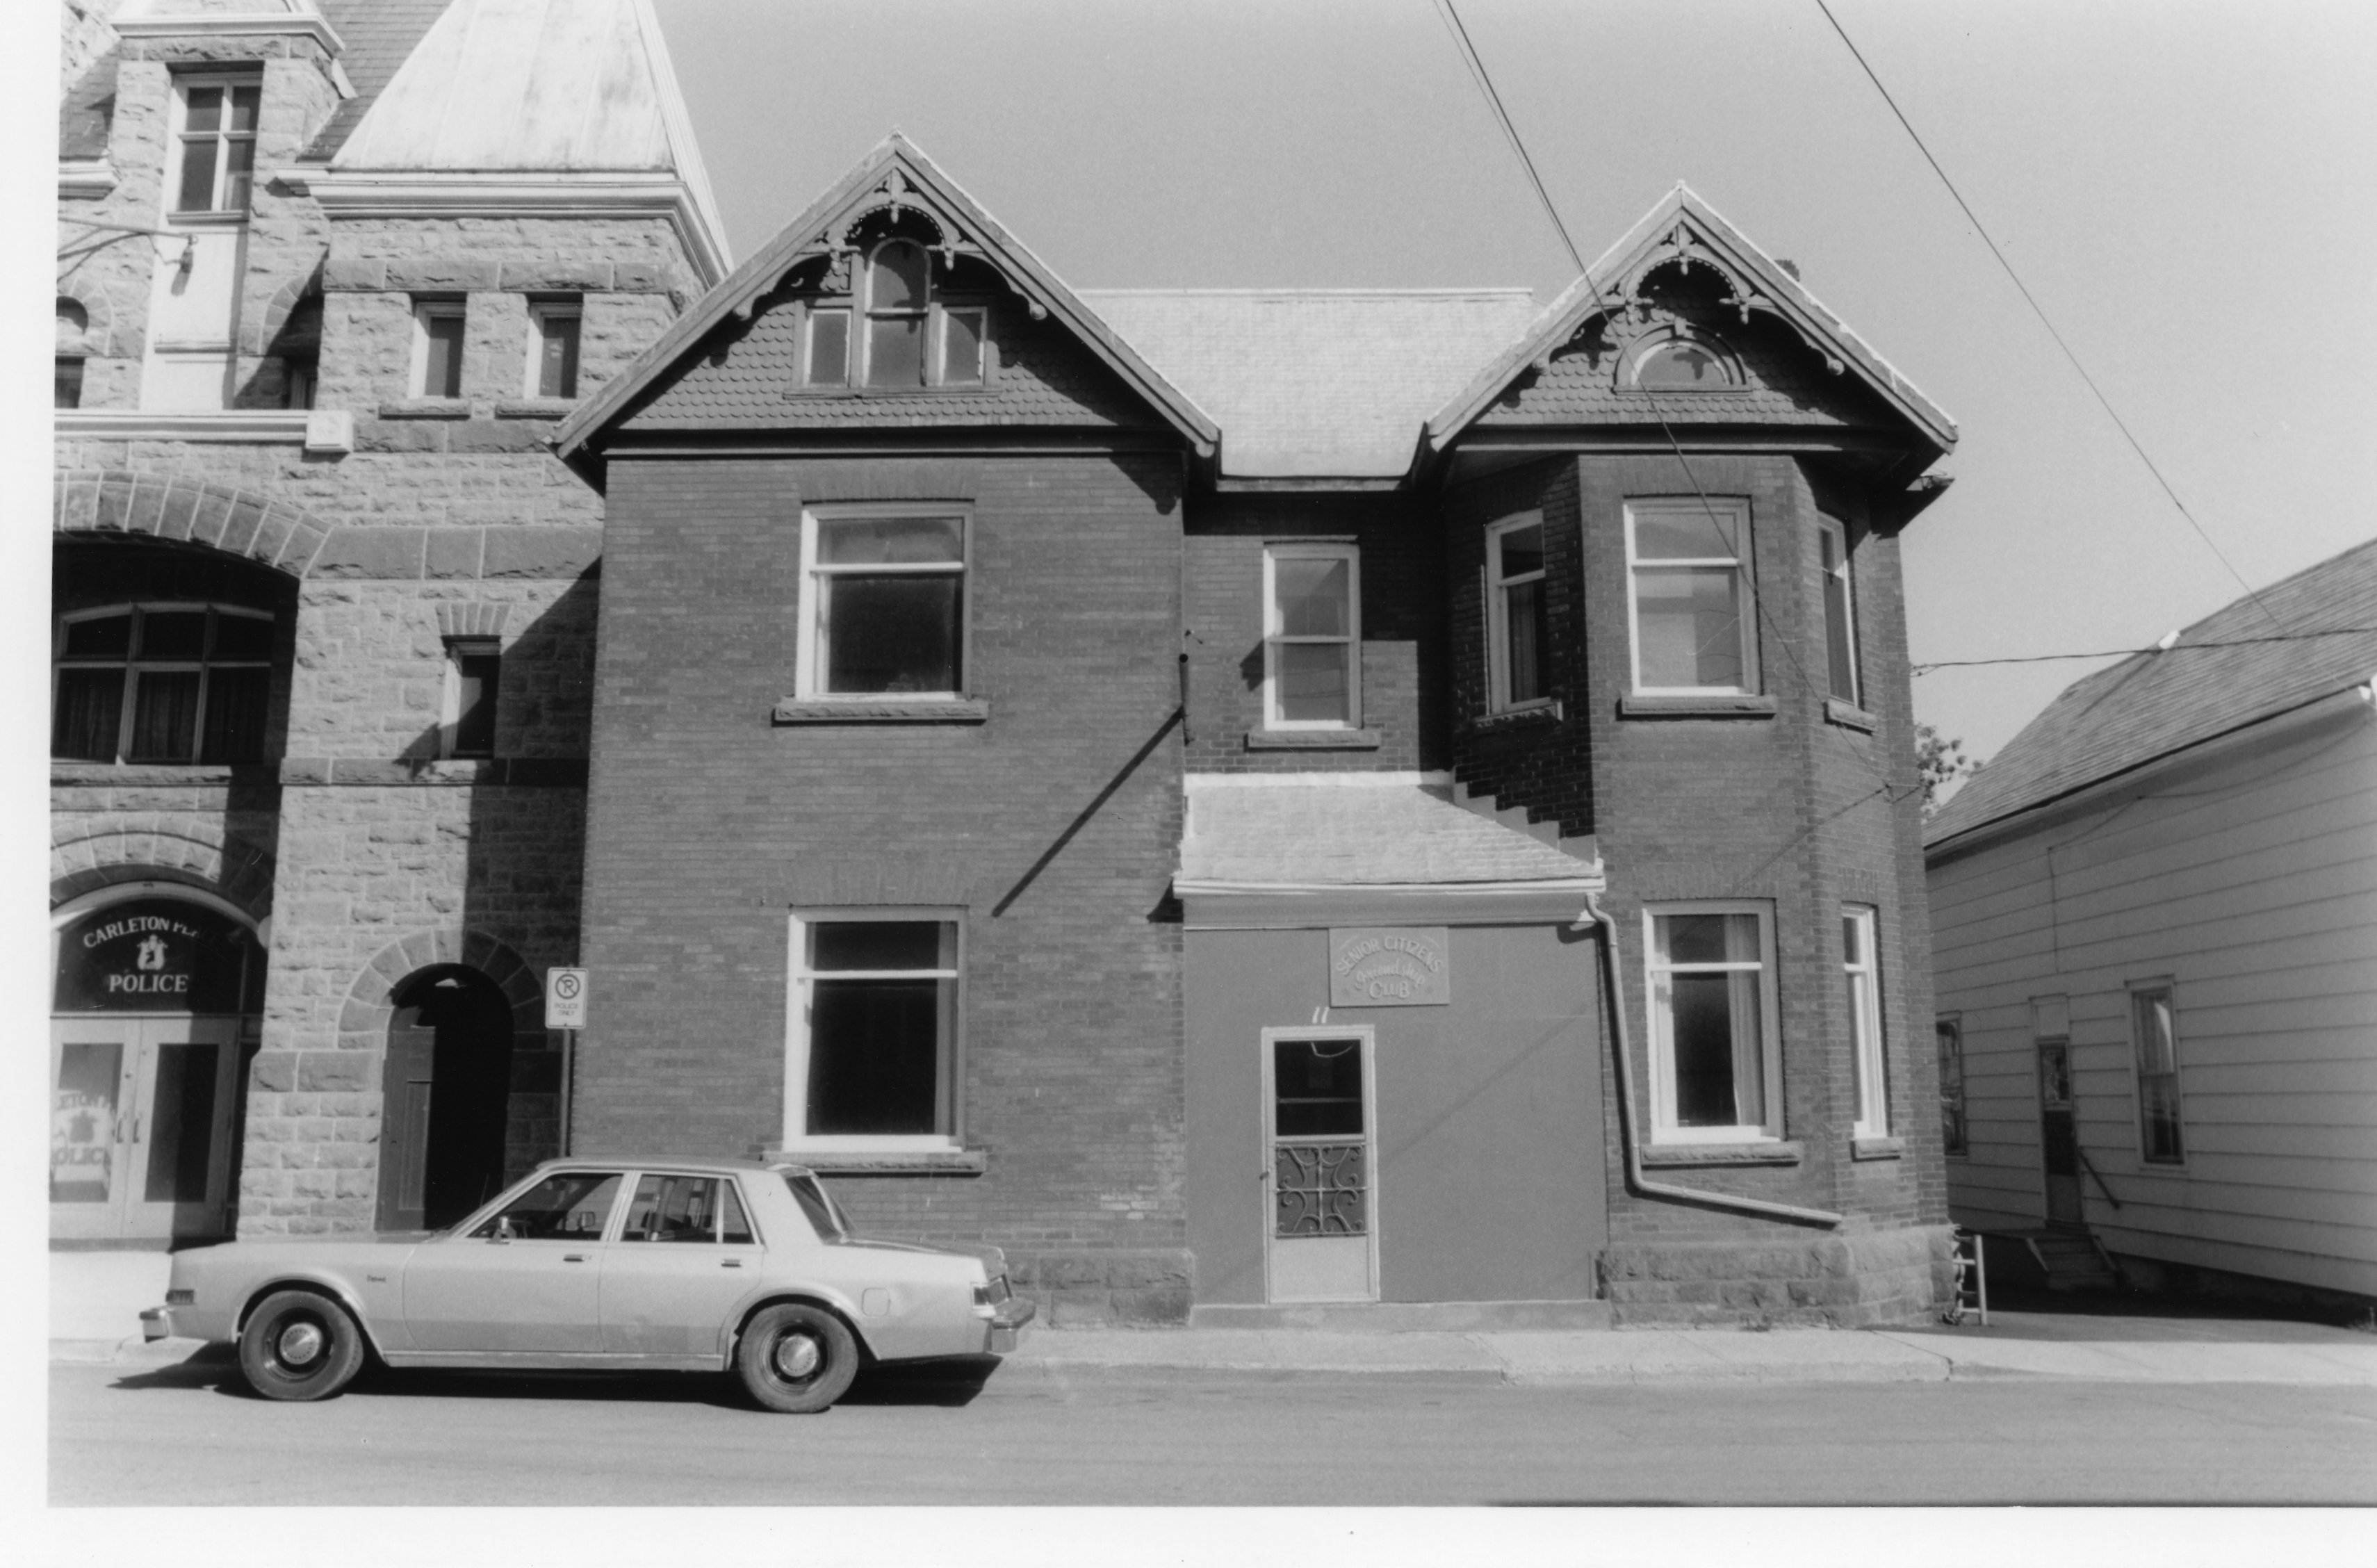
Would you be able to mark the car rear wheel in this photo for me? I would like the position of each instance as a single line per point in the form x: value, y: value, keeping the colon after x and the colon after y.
x: 797, y: 1359
x: 300, y: 1346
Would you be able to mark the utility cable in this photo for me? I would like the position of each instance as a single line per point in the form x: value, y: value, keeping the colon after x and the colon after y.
x: 2129, y: 652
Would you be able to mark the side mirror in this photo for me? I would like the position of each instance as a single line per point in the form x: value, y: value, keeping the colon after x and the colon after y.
x: 504, y: 1232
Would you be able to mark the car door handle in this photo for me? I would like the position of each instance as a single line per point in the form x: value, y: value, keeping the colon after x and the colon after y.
x: 573, y: 1257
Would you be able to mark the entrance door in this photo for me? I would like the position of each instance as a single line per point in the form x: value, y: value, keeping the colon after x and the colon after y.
x: 140, y: 1144
x: 1319, y: 1111
x: 446, y: 1083
x: 2059, y: 1138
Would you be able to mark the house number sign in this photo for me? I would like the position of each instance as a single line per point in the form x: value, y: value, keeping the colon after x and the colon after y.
x: 1390, y: 966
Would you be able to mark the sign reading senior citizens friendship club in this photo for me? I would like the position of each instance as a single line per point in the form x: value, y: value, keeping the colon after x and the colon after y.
x: 1390, y: 966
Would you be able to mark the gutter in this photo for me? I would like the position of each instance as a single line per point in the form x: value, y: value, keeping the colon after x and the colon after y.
x: 1636, y: 1183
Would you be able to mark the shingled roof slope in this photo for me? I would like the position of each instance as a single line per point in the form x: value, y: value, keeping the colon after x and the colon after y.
x: 379, y: 36
x: 1357, y: 831
x: 85, y: 109
x: 2154, y: 703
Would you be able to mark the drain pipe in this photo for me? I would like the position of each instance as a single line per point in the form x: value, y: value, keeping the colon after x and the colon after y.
x: 1636, y: 1183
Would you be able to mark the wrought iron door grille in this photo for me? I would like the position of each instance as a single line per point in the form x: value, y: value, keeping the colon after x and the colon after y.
x: 1320, y: 1189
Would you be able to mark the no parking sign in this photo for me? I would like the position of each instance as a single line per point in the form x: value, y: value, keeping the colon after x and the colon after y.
x: 564, y: 998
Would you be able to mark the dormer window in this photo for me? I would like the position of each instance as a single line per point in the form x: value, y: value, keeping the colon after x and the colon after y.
x: 908, y: 334
x: 1677, y: 363
x: 215, y: 135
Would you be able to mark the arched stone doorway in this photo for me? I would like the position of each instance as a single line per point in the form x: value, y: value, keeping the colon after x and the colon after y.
x: 447, y: 1088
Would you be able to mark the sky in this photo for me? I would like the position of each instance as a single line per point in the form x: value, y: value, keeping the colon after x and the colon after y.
x: 2186, y: 187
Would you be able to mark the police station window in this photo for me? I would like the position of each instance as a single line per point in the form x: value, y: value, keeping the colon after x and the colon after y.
x: 882, y: 608
x: 1861, y: 964
x: 1693, y: 606
x: 2153, y: 1033
x: 162, y: 683
x: 437, y: 348
x: 1312, y: 637
x: 1716, y: 1059
x: 74, y: 324
x: 69, y: 381
x: 908, y: 334
x: 467, y: 722
x: 553, y: 348
x: 1840, y: 611
x: 214, y: 131
x: 872, y: 1034
x: 1949, y: 1035
x: 1519, y: 653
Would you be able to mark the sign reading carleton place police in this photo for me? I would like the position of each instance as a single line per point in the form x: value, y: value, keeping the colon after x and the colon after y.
x: 154, y: 956
x: 1390, y: 966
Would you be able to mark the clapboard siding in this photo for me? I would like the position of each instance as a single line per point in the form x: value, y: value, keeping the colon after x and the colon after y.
x: 2250, y: 883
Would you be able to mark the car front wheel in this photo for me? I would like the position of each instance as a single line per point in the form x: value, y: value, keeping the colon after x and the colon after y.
x: 797, y: 1359
x: 300, y: 1346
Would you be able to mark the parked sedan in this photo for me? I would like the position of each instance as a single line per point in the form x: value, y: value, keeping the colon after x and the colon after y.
x: 685, y: 1266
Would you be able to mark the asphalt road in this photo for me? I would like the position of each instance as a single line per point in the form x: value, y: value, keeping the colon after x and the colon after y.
x: 194, y: 1434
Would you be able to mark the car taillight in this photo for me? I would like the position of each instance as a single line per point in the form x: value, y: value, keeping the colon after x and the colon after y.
x: 180, y: 1298
x: 992, y: 1294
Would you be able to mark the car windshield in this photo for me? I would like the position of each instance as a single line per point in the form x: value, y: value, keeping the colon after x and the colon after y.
x: 569, y: 1206
x: 825, y: 1216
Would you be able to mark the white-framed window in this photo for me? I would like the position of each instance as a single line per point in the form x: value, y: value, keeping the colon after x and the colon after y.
x: 1861, y: 964
x: 872, y: 1030
x: 1716, y: 1061
x: 1518, y: 635
x: 883, y: 601
x: 1840, y: 613
x: 162, y: 683
x: 1312, y: 635
x: 466, y: 724
x: 553, y: 335
x: 213, y: 129
x: 1693, y: 604
x: 2153, y: 1035
x: 907, y: 332
x: 437, y: 326
x: 1947, y: 1032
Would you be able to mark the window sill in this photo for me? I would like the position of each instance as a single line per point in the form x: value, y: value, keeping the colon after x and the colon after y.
x: 887, y: 1162
x: 939, y: 389
x: 425, y: 408
x: 1848, y: 716
x: 1312, y: 740
x: 1877, y: 1148
x: 144, y: 774
x: 1745, y: 706
x: 882, y: 711
x: 536, y: 408
x: 1541, y: 714
x: 1775, y: 1151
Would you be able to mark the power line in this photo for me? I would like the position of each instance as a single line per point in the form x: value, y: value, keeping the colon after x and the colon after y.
x: 2131, y: 653
x: 2039, y: 311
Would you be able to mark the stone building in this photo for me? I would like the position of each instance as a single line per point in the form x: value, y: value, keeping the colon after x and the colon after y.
x: 1257, y: 803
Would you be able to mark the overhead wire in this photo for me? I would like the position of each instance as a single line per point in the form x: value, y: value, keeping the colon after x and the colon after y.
x: 2129, y: 652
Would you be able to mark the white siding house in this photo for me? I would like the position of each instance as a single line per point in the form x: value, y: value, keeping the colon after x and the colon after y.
x: 2154, y: 949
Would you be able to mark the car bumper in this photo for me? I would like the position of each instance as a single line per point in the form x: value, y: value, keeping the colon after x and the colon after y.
x: 1005, y: 1331
x: 156, y: 1323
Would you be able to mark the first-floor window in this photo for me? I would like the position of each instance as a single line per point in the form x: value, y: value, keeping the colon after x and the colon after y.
x: 1519, y: 650
x: 883, y: 604
x: 1951, y: 1036
x: 1716, y: 1060
x: 873, y: 1035
x: 2153, y: 1030
x: 1863, y: 970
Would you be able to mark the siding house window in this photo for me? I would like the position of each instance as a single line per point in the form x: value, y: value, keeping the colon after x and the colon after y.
x: 1862, y: 968
x: 437, y: 348
x: 473, y: 675
x: 1840, y: 613
x: 553, y: 348
x: 1949, y: 1035
x: 1694, y: 606
x: 1312, y: 637
x: 215, y: 143
x: 2153, y: 1033
x: 907, y: 333
x: 882, y: 608
x: 162, y: 683
x: 1519, y: 653
x: 1715, y: 1058
x: 872, y: 1037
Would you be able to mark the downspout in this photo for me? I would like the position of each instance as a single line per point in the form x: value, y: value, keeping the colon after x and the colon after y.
x: 1636, y: 1183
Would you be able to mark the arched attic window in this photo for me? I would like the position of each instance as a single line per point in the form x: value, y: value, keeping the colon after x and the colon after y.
x: 911, y: 331
x: 1680, y: 362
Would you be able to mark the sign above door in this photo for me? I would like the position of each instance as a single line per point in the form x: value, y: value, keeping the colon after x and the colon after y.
x: 1390, y: 966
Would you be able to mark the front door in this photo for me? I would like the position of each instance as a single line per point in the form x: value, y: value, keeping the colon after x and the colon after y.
x: 1321, y: 1234
x: 140, y: 1129
x: 2059, y: 1138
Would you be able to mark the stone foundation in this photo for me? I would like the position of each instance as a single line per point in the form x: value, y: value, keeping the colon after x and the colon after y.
x: 1811, y: 1281
x: 1103, y: 1288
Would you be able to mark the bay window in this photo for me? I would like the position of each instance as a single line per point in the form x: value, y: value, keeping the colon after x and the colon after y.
x: 1862, y: 967
x: 1692, y: 601
x: 1716, y: 1059
x: 1840, y: 613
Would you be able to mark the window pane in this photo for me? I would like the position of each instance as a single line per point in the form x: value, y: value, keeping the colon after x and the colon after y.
x: 891, y: 541
x: 242, y: 637
x: 961, y: 346
x: 67, y: 390
x: 173, y: 634
x: 557, y: 375
x: 441, y: 362
x: 875, y: 1054
x: 100, y: 637
x: 195, y: 192
x: 476, y: 676
x: 164, y: 719
x: 1689, y: 621
x: 1685, y: 533
x: 1707, y: 939
x: 879, y: 944
x: 90, y: 715
x: 181, y: 1141
x: 895, y: 352
x: 206, y: 109
x: 235, y: 705
x: 571, y: 1206
x: 1839, y: 639
x: 1312, y: 596
x: 2152, y: 1009
x: 239, y: 175
x: 1529, y: 652
x: 733, y: 1225
x: 1680, y: 364
x: 1952, y: 1088
x: 896, y: 278
x: 892, y: 633
x: 1715, y: 1038
x: 1317, y: 1085
x: 243, y: 107
x: 82, y: 1140
x: 1310, y: 681
x: 830, y: 348
x: 1522, y: 550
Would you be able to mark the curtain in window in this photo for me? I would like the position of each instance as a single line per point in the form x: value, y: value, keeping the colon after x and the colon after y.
x: 90, y: 712
x: 164, y: 715
x: 236, y: 703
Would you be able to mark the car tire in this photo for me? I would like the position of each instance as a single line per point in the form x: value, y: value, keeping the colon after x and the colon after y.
x: 796, y: 1359
x: 300, y: 1346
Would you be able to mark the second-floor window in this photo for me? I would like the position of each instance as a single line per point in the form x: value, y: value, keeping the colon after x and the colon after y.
x: 882, y: 608
x: 553, y: 347
x: 162, y: 683
x: 473, y: 672
x: 1312, y: 637
x: 214, y: 143
x: 1840, y: 611
x: 437, y: 348
x: 1695, y: 607
x: 1518, y: 641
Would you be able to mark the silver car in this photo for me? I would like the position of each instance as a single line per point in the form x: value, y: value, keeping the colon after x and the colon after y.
x: 665, y: 1264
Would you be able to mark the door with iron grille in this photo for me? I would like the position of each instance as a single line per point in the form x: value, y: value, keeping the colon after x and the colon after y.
x: 1320, y: 1148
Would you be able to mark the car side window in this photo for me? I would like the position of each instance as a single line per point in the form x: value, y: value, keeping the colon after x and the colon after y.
x: 571, y: 1206
x: 676, y: 1208
x: 733, y: 1226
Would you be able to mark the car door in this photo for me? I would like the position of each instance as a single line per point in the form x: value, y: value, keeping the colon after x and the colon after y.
x: 526, y: 1281
x: 687, y: 1254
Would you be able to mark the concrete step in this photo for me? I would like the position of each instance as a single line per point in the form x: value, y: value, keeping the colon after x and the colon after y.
x: 1408, y: 1317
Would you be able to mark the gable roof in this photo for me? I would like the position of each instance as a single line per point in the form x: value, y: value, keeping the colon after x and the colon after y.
x: 898, y: 167
x: 2152, y: 704
x: 1683, y: 224
x: 1311, y: 383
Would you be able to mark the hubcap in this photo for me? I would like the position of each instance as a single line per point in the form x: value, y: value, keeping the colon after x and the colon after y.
x: 300, y: 1343
x: 798, y: 1356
